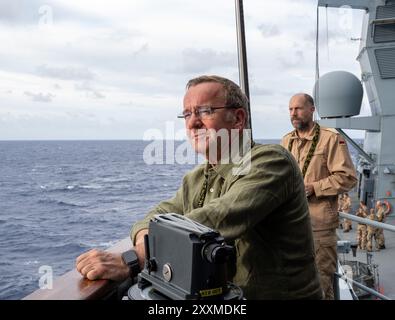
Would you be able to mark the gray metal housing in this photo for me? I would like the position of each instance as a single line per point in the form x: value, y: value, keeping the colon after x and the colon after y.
x: 377, y: 61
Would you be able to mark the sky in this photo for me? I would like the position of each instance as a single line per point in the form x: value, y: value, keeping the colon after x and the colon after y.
x: 72, y: 70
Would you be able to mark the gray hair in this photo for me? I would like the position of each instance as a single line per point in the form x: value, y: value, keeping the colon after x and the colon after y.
x: 234, y: 97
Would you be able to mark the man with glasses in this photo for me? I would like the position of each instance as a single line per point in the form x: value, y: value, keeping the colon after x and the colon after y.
x: 261, y: 207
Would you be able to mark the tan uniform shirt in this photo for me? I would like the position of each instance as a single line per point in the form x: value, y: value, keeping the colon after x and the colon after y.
x: 331, y: 172
x: 339, y: 203
x: 372, y: 217
x: 362, y: 214
x: 346, y: 207
x: 381, y: 215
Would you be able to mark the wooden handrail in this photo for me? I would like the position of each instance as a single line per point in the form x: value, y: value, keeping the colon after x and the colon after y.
x: 72, y: 286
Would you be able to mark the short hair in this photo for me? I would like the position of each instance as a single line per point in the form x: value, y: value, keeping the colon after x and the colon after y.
x: 308, y: 98
x: 234, y: 96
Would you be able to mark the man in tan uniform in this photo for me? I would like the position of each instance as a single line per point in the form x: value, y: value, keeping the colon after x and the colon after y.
x: 346, y: 207
x: 361, y: 229
x: 372, y: 232
x: 381, y: 214
x: 327, y: 168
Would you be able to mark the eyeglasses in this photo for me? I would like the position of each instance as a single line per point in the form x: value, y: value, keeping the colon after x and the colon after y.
x: 202, y: 113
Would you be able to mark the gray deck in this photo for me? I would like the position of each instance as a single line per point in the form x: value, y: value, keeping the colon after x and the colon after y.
x: 385, y: 258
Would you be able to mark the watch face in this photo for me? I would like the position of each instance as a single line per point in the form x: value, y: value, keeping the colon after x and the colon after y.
x: 131, y: 260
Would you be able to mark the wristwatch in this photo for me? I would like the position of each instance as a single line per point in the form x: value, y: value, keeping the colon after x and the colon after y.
x: 131, y: 260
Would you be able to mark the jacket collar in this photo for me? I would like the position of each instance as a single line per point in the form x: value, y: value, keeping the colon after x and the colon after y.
x: 310, y: 136
x: 224, y: 169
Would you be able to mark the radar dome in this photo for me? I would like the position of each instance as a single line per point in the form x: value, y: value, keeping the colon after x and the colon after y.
x: 338, y: 94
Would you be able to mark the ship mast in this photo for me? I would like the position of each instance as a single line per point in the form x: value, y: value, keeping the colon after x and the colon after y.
x: 242, y: 54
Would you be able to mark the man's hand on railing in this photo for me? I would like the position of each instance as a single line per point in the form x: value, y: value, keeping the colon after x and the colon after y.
x: 97, y: 264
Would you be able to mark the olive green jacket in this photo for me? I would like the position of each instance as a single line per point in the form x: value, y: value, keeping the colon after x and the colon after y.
x: 264, y: 212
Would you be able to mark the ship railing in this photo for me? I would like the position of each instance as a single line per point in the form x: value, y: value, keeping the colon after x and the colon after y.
x: 381, y: 225
x: 361, y: 286
x: 375, y: 224
x: 72, y: 286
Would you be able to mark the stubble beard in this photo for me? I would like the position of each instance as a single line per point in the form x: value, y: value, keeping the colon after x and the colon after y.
x: 302, y: 126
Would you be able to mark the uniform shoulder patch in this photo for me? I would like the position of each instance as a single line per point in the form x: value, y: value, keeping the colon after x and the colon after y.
x: 330, y: 130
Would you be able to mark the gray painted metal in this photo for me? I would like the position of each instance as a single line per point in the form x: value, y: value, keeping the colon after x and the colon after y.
x: 386, y: 61
x: 358, y: 123
x: 242, y: 54
x: 376, y: 74
x: 359, y: 285
x: 373, y: 223
x: 338, y: 94
x: 356, y: 4
x: 385, y: 12
x: 356, y: 146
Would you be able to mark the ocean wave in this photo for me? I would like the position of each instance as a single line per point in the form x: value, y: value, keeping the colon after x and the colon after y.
x: 51, y: 249
x: 114, y: 179
x: 52, y: 188
x: 69, y: 187
x: 28, y: 263
x: 60, y: 203
x: 91, y: 186
x: 71, y: 170
x: 101, y: 245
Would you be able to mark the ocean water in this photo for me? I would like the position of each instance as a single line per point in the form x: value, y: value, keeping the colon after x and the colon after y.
x: 59, y: 199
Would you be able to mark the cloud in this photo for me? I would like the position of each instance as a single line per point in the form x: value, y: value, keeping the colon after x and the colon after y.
x: 293, y: 57
x: 30, y: 12
x: 259, y: 91
x: 269, y: 30
x: 65, y: 73
x: 40, y: 97
x: 143, y: 49
x: 294, y: 60
x: 89, y: 90
x: 133, y: 58
x: 200, y: 61
x: 19, y: 11
x: 127, y: 104
x: 336, y: 36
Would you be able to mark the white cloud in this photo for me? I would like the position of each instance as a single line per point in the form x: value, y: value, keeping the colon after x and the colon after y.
x: 90, y: 91
x: 120, y: 68
x: 65, y: 73
x: 204, y: 60
x: 40, y: 97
